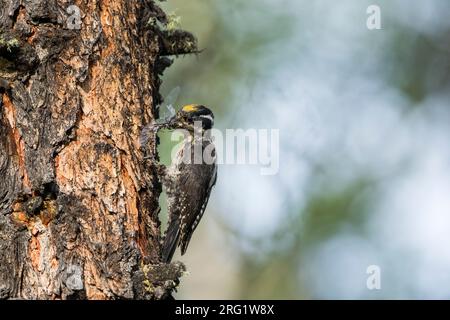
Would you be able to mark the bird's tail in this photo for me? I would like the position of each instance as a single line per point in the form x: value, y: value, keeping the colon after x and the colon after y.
x: 185, y: 242
x: 171, y: 240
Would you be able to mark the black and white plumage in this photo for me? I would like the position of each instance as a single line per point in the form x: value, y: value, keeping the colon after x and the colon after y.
x: 188, y: 183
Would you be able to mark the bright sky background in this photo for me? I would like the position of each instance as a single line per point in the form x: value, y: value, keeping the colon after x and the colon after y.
x: 327, y: 96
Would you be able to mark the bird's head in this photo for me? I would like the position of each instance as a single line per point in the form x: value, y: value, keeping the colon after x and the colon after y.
x: 190, y: 115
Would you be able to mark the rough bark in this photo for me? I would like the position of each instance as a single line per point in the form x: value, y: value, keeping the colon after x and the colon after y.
x: 78, y: 204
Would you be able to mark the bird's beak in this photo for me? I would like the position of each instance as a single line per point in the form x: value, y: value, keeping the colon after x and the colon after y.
x: 169, y: 124
x: 164, y: 125
x: 173, y: 123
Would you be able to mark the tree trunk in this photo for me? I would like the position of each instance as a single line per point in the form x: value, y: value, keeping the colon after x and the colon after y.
x: 78, y: 204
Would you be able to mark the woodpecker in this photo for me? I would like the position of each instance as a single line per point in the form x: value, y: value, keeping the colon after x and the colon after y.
x: 190, y: 177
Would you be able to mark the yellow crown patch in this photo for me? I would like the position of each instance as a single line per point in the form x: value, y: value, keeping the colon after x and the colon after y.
x: 190, y: 108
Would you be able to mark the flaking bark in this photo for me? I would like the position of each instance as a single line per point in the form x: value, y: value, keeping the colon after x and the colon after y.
x: 78, y: 205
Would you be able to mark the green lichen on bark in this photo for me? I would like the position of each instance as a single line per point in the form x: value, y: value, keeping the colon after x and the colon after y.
x: 8, y: 44
x: 160, y: 280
